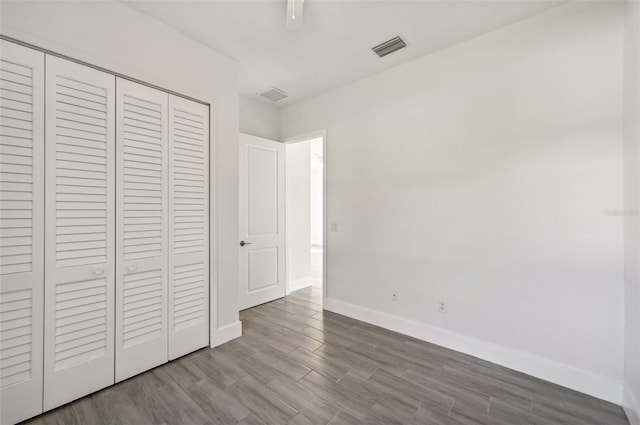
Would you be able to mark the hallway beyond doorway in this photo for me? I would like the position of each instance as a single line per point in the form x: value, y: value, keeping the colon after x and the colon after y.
x: 305, y: 212
x: 316, y: 266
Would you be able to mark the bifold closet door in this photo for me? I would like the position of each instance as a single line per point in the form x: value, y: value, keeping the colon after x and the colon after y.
x: 21, y: 231
x: 142, y: 228
x: 188, y: 226
x: 79, y: 229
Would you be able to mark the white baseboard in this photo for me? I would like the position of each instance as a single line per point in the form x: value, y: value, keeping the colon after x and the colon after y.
x: 297, y: 284
x: 226, y: 333
x: 565, y: 375
x: 631, y: 407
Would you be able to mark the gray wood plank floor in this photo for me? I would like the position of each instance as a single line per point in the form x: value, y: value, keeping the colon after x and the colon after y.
x: 296, y: 364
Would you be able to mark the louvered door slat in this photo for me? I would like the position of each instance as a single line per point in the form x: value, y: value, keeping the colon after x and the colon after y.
x: 80, y: 189
x: 142, y: 237
x: 21, y: 231
x: 188, y: 226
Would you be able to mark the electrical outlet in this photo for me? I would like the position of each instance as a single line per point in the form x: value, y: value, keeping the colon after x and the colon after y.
x: 394, y: 295
x: 333, y: 227
x: 443, y: 307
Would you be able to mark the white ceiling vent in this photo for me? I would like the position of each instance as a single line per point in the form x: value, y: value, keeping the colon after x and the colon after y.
x: 274, y: 94
x: 389, y: 46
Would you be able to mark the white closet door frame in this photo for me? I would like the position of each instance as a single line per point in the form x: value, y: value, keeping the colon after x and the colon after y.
x: 142, y: 230
x: 21, y: 231
x: 80, y: 195
x: 188, y: 226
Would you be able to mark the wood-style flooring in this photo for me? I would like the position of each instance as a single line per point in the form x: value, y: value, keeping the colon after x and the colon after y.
x: 296, y: 364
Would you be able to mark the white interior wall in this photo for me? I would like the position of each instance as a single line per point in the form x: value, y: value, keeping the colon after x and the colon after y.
x: 298, y: 215
x: 117, y: 37
x: 259, y: 119
x: 632, y: 206
x: 481, y: 175
x: 317, y: 187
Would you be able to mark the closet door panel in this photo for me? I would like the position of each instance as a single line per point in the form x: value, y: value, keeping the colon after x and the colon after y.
x: 21, y: 231
x: 142, y: 234
x: 80, y: 219
x: 188, y: 226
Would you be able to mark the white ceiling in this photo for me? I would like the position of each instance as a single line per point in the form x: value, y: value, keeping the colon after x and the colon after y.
x: 333, y: 46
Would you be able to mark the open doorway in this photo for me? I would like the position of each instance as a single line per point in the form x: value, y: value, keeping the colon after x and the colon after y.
x: 317, y: 209
x: 305, y: 214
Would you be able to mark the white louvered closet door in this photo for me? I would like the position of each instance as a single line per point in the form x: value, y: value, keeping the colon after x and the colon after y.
x: 21, y: 231
x: 142, y: 228
x: 188, y: 226
x: 80, y: 229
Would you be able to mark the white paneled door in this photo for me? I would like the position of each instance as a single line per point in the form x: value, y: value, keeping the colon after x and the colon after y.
x: 262, y: 218
x: 21, y: 231
x: 188, y: 226
x: 79, y: 230
x: 142, y: 228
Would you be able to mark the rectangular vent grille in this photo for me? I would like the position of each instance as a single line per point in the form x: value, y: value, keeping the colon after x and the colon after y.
x: 15, y: 337
x: 274, y: 94
x: 188, y: 294
x: 16, y: 168
x: 142, y: 307
x: 189, y: 174
x: 81, y: 173
x: 143, y: 197
x: 389, y: 46
x: 80, y: 322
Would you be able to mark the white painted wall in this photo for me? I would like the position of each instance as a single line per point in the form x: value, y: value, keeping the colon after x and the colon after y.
x: 480, y: 175
x: 317, y: 187
x: 259, y: 119
x: 298, y: 215
x: 632, y: 206
x: 117, y: 37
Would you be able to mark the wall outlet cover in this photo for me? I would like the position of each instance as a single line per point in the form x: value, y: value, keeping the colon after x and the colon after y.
x: 443, y: 307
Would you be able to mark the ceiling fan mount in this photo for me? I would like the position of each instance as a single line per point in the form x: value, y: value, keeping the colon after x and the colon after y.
x: 294, y: 14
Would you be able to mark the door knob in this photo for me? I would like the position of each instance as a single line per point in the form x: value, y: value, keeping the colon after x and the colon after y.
x: 243, y: 243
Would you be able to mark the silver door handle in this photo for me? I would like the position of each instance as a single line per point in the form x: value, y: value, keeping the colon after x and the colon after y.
x: 243, y: 243
x: 132, y: 268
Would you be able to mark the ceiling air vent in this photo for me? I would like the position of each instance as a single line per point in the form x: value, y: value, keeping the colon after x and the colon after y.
x: 389, y: 46
x: 274, y: 94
